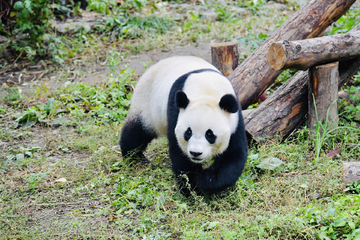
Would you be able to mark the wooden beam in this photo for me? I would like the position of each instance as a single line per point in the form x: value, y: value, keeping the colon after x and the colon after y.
x: 253, y: 76
x: 303, y: 54
x: 285, y: 109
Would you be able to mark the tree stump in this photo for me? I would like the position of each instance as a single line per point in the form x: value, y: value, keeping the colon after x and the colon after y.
x: 323, y: 87
x: 254, y: 75
x: 225, y: 56
x: 303, y: 54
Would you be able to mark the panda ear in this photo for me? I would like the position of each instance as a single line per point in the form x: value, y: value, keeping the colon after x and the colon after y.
x: 229, y: 103
x: 181, y: 99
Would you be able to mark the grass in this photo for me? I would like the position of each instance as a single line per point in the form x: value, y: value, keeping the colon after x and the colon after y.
x: 104, y: 196
x: 68, y: 180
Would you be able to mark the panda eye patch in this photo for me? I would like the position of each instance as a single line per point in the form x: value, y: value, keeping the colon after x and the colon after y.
x: 187, y: 134
x: 209, y: 135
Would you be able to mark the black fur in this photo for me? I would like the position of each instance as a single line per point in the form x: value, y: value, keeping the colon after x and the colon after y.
x: 209, y: 135
x: 227, y: 167
x: 181, y: 99
x: 134, y: 139
x: 229, y: 103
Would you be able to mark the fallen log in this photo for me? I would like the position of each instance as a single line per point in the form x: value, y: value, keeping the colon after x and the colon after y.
x: 253, y: 76
x: 286, y: 108
x: 303, y: 54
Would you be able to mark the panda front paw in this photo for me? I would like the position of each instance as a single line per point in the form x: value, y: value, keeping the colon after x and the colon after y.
x: 207, y: 181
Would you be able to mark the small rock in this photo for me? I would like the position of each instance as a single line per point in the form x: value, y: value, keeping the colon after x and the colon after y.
x: 316, y: 196
x: 61, y: 180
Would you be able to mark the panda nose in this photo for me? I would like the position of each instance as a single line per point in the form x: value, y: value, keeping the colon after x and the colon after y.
x: 195, y: 154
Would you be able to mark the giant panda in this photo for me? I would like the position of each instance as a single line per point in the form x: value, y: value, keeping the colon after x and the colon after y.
x: 188, y: 100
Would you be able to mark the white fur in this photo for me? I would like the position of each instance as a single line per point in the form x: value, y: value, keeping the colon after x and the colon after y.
x: 204, y: 90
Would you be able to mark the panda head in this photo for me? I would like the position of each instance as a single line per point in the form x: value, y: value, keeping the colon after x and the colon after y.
x: 204, y: 126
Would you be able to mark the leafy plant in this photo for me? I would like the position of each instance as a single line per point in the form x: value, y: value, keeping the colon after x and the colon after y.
x: 100, y: 6
x: 354, y: 187
x: 23, y: 153
x: 223, y: 13
x: 42, y: 113
x: 32, y: 22
x: 106, y: 103
x: 321, y: 129
x: 252, y: 4
x: 123, y: 25
x: 13, y: 95
x: 35, y: 179
x: 339, y: 220
x: 251, y: 40
x: 350, y: 108
x: 347, y: 21
x: 270, y: 163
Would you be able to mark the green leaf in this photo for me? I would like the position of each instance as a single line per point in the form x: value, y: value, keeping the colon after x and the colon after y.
x: 28, y: 119
x: 340, y: 222
x: 49, y: 105
x: 356, y: 234
x: 11, y: 157
x: 270, y: 163
x: 18, y: 5
x: 212, y: 225
x: 20, y: 156
x: 28, y: 153
x: 330, y: 212
x: 253, y: 156
x: 57, y: 111
x: 352, y: 225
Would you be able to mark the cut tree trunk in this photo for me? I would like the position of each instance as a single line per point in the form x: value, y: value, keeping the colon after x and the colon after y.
x: 286, y: 108
x: 323, y: 88
x: 303, y: 54
x: 251, y: 78
x: 225, y: 56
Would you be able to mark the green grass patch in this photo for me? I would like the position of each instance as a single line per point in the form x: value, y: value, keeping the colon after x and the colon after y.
x: 67, y: 179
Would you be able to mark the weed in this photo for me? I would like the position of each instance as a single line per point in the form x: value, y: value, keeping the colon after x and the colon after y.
x: 13, y: 96
x: 33, y: 25
x: 338, y: 220
x: 347, y: 21
x: 321, y: 129
x: 350, y: 107
x: 43, y: 113
x: 252, y: 40
x: 354, y: 187
x: 35, y: 179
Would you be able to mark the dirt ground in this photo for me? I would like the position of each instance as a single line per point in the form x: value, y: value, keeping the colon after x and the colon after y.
x: 34, y: 75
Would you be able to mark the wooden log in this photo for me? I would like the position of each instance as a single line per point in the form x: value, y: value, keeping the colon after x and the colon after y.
x: 254, y: 75
x: 280, y: 112
x: 225, y: 56
x: 323, y: 88
x: 286, y: 108
x: 303, y: 54
x: 351, y: 172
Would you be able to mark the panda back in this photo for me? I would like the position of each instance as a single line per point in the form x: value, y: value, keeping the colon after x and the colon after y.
x: 151, y: 94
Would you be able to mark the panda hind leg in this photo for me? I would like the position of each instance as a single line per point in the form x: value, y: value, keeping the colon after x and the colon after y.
x: 134, y: 139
